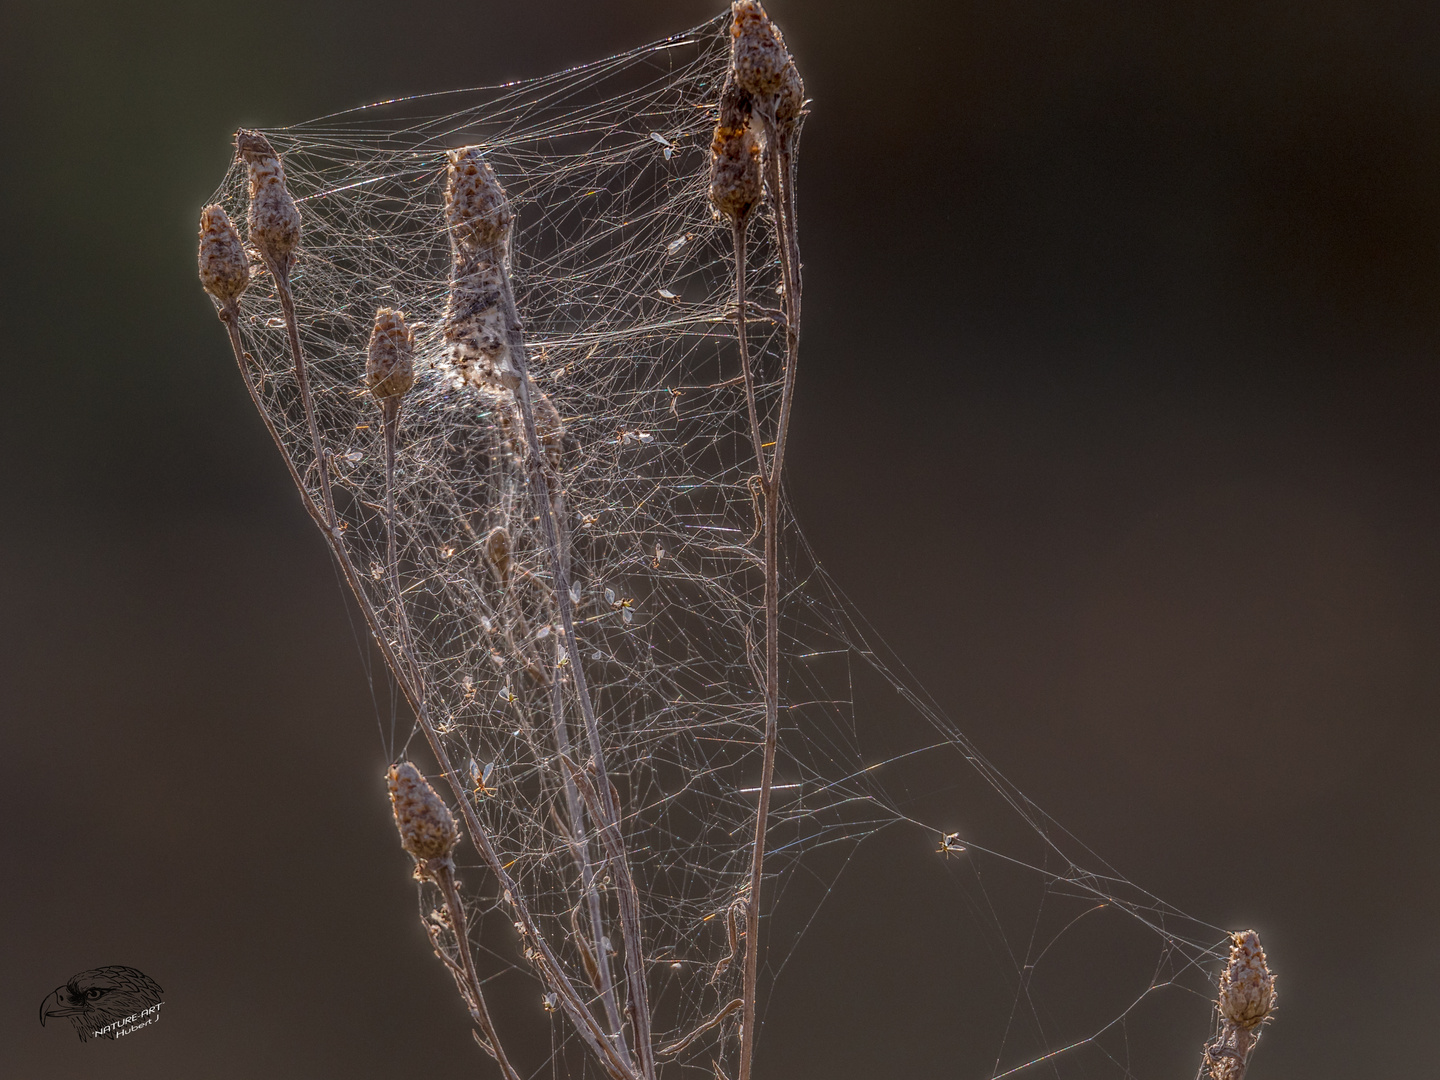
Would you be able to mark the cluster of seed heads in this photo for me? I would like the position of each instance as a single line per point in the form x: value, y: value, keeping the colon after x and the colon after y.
x: 759, y: 107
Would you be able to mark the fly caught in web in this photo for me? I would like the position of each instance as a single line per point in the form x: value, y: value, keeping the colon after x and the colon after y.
x: 530, y: 354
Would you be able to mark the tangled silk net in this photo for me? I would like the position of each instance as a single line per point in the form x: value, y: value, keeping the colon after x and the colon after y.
x: 624, y: 281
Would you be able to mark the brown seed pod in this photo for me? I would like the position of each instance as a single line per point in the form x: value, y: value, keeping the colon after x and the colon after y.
x: 427, y: 828
x: 390, y: 360
x: 1247, y: 986
x: 476, y: 206
x: 735, y: 181
x: 758, y: 55
x: 273, y: 218
x: 790, y: 98
x: 224, y: 270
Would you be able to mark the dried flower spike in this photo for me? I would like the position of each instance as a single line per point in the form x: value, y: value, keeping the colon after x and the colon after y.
x: 224, y: 270
x: 761, y: 63
x: 479, y: 312
x: 476, y: 206
x: 274, y: 219
x: 735, y: 182
x: 390, y: 361
x: 1247, y: 986
x: 427, y: 828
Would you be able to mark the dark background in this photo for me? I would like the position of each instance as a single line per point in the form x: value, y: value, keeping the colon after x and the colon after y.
x: 1119, y: 415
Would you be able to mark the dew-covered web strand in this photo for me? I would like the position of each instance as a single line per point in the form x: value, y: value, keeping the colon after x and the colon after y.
x: 624, y: 281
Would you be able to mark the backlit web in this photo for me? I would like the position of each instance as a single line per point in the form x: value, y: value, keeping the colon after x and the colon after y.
x: 624, y: 283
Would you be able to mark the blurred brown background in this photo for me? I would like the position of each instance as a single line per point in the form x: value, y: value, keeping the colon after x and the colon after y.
x: 1119, y: 415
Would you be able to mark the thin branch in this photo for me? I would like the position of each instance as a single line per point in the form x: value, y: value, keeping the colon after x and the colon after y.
x: 281, y: 273
x: 771, y: 480
x: 674, y: 1048
x: 442, y: 871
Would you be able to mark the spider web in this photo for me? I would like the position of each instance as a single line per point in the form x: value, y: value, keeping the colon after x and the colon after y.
x: 624, y: 281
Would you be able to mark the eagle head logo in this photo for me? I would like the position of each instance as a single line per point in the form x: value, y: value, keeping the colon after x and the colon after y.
x: 95, y: 1001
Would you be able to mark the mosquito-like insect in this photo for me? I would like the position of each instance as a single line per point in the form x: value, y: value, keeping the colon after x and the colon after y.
x: 481, y: 777
x: 950, y: 845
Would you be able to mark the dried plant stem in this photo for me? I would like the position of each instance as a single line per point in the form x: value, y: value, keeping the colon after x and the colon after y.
x: 771, y: 478
x: 1228, y: 1057
x: 739, y: 226
x: 580, y: 847
x: 607, y: 808
x: 230, y: 316
x: 676, y: 1047
x: 281, y: 274
x: 390, y: 418
x: 442, y: 871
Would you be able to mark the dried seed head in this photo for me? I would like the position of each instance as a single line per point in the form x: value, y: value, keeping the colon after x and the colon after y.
x: 758, y: 55
x: 1247, y: 987
x: 476, y: 327
x: 790, y: 98
x: 273, y: 219
x: 427, y: 828
x: 476, y: 206
x: 477, y: 318
x: 497, y: 550
x: 224, y: 270
x: 390, y: 362
x: 735, y: 182
x: 735, y: 104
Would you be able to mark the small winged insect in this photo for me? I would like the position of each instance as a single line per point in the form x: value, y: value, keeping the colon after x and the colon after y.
x: 669, y: 147
x: 673, y: 248
x: 482, y: 777
x: 666, y: 294
x: 950, y: 845
x: 575, y: 592
x: 507, y: 695
x: 550, y: 1001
